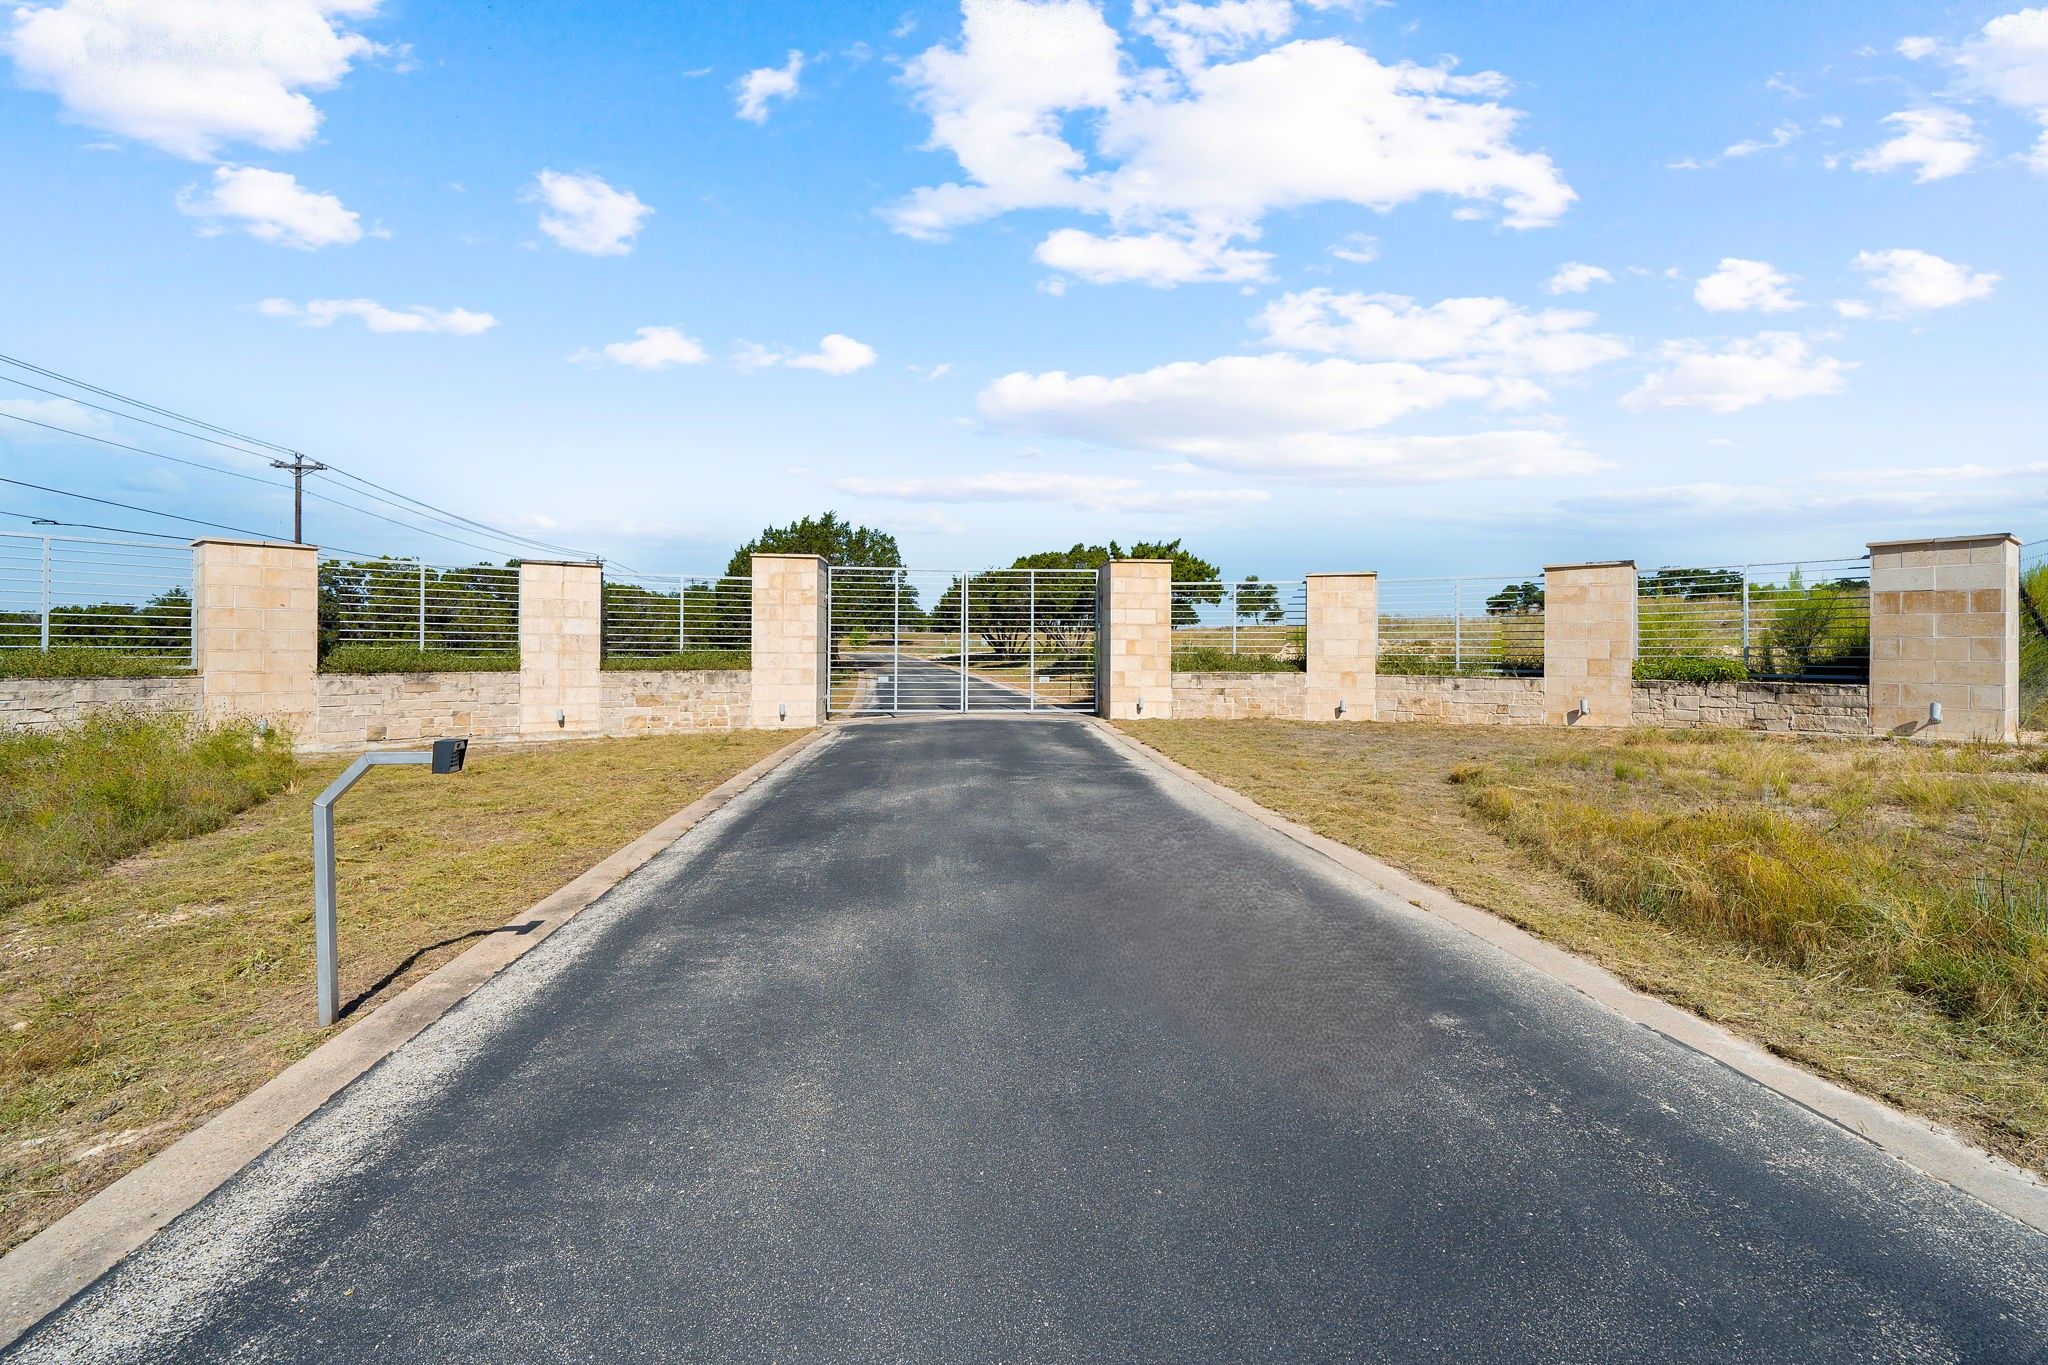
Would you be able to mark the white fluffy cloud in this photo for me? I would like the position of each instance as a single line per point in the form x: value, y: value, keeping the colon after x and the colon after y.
x: 1477, y: 334
x: 652, y: 348
x: 1919, y: 281
x: 583, y: 213
x: 272, y: 207
x: 1285, y: 415
x: 836, y: 354
x: 194, y: 76
x: 1204, y: 149
x: 1768, y: 367
x: 1741, y: 286
x: 1576, y: 277
x: 1932, y: 143
x: 1090, y: 492
x: 376, y: 317
x: 2006, y: 61
x: 753, y: 91
x: 1159, y: 259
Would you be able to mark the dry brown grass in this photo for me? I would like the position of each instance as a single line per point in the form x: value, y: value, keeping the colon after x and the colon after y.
x: 141, y: 1000
x: 1878, y: 912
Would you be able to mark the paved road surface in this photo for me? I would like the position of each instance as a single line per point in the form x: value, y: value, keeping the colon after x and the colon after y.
x: 929, y: 686
x: 971, y: 1040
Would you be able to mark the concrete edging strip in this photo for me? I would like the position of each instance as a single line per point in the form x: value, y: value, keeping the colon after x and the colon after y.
x: 1927, y: 1147
x: 43, y: 1273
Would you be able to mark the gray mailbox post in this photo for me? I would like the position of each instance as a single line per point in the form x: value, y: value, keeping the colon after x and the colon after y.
x: 445, y: 757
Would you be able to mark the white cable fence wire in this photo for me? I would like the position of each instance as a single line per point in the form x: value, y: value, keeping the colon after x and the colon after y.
x: 2034, y: 635
x: 469, y: 609
x: 909, y: 640
x: 1221, y: 627
x: 1799, y: 621
x: 697, y: 622
x: 1467, y: 624
x: 70, y: 592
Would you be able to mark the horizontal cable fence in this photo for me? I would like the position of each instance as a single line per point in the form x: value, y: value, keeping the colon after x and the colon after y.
x: 1250, y: 624
x: 2034, y: 635
x: 68, y: 592
x: 470, y: 609
x: 1488, y: 625
x: 1800, y: 621
x: 689, y: 622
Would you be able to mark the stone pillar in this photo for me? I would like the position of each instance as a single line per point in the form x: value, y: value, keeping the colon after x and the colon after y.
x: 792, y: 641
x: 1343, y: 646
x: 1589, y: 643
x: 1134, y: 634
x: 561, y: 649
x: 1945, y: 629
x: 256, y: 631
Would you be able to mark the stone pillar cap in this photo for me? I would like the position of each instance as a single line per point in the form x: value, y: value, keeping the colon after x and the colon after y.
x: 261, y: 544
x: 1988, y: 538
x: 1593, y: 564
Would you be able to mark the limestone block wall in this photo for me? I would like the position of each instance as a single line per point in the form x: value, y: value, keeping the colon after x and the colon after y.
x: 1790, y: 708
x: 1134, y: 640
x: 362, y: 710
x: 1239, y: 696
x: 676, y: 702
x: 1589, y: 643
x: 53, y: 703
x: 256, y: 629
x: 792, y: 641
x: 1343, y: 646
x: 561, y: 648
x: 1461, y: 700
x: 1945, y: 629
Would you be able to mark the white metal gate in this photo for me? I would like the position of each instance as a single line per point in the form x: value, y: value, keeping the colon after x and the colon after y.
x: 910, y: 640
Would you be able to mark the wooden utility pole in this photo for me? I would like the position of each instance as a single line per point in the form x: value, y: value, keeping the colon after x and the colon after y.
x: 300, y: 467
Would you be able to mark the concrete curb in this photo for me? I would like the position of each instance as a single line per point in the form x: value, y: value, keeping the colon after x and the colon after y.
x: 1932, y: 1150
x: 43, y: 1273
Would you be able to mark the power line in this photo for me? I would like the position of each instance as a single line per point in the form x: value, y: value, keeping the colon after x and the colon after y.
x: 146, y: 407
x: 87, y: 526
x: 509, y: 536
x: 131, y: 417
x: 139, y: 450
x: 131, y: 507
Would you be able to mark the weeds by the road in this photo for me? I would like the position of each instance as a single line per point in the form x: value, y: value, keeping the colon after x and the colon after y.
x: 412, y: 659
x: 73, y: 801
x: 78, y: 661
x: 145, y: 998
x: 1876, y: 911
x: 1223, y: 661
x: 705, y: 660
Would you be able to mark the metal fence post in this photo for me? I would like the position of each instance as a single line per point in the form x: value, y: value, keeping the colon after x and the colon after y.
x: 963, y: 639
x: 1233, y: 619
x: 1745, y: 616
x: 46, y: 595
x: 683, y: 613
x: 897, y: 580
x: 1458, y: 625
x: 1031, y: 636
x: 423, y: 607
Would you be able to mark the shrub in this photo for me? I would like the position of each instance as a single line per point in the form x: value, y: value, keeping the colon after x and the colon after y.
x: 1706, y: 669
x: 704, y: 660
x: 412, y: 659
x: 75, y: 662
x: 1223, y: 661
x: 75, y: 800
x: 2034, y: 648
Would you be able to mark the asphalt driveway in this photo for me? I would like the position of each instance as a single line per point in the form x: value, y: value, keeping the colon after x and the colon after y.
x: 970, y: 1039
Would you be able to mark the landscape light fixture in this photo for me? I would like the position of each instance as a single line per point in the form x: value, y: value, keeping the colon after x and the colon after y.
x: 1934, y: 713
x: 1340, y: 706
x: 561, y: 718
x: 1585, y: 707
x: 445, y: 757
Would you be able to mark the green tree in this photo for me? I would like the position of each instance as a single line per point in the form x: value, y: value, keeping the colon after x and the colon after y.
x: 1515, y: 599
x: 1256, y: 601
x: 831, y: 535
x: 1188, y: 569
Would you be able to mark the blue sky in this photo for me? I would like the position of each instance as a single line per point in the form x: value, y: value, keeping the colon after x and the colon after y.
x: 1287, y: 279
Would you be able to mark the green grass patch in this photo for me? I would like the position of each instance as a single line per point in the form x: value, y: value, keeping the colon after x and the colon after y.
x: 695, y: 660
x: 1445, y: 666
x: 74, y: 662
x: 1703, y: 670
x: 1223, y: 661
x: 411, y: 659
x: 72, y: 801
